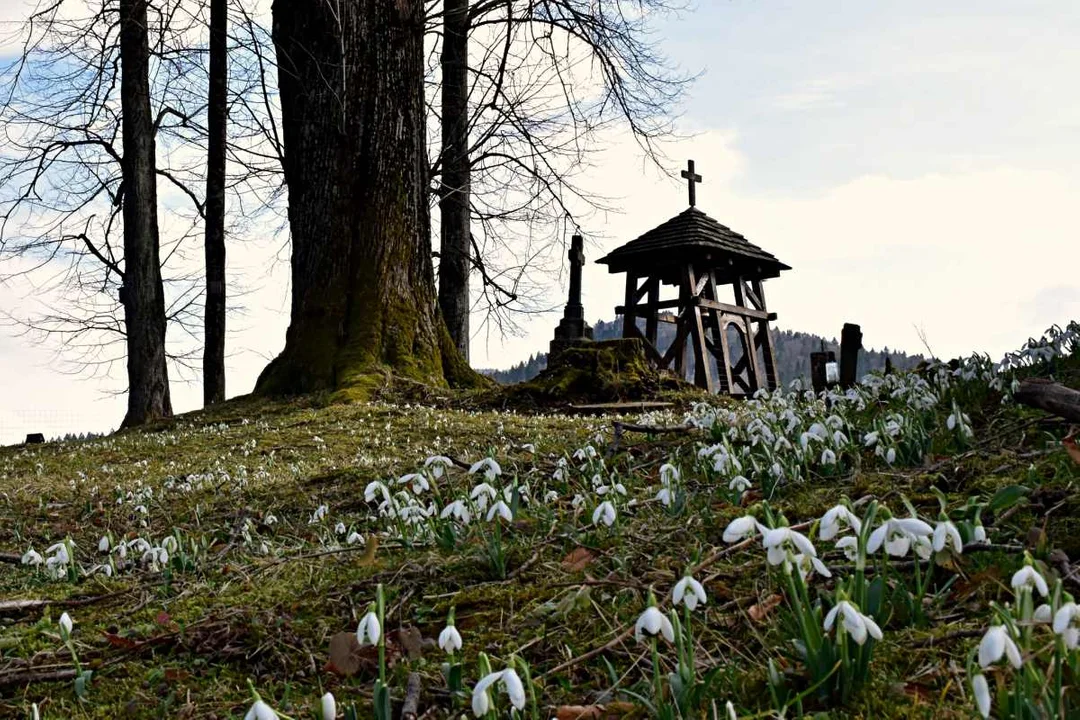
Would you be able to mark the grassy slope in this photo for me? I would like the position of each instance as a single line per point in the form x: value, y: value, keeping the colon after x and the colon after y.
x: 182, y: 644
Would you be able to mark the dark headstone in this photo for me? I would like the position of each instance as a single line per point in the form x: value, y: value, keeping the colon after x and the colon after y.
x: 819, y: 376
x: 34, y: 438
x: 850, y: 344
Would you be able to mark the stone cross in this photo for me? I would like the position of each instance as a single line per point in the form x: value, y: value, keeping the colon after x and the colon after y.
x: 691, y: 179
x: 577, y: 260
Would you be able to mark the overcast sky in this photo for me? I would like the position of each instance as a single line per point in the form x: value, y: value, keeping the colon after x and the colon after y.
x: 917, y: 164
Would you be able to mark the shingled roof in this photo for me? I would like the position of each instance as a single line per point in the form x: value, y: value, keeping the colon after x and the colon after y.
x: 692, y: 235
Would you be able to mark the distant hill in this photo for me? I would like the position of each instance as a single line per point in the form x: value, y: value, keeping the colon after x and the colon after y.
x: 793, y: 350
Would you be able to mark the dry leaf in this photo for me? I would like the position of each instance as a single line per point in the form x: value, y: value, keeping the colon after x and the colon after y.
x: 578, y: 559
x: 409, y: 640
x: 345, y: 658
x: 1071, y: 448
x: 759, y: 612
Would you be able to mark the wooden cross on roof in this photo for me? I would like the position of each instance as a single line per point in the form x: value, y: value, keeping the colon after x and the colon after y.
x: 692, y: 178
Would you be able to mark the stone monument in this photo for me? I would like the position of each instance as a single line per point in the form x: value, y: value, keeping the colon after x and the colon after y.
x: 572, y: 328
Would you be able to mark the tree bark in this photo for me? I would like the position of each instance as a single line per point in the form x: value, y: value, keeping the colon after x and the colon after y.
x: 454, y: 211
x: 142, y: 295
x: 363, y: 295
x: 217, y: 112
x: 1050, y: 396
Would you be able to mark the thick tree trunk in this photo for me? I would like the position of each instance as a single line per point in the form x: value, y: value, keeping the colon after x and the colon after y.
x: 363, y: 296
x: 1050, y: 396
x: 454, y: 227
x: 142, y: 295
x: 217, y: 111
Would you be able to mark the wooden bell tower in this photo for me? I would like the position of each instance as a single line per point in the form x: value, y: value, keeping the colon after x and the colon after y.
x: 716, y: 277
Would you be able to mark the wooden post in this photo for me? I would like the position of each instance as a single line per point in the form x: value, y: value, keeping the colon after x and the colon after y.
x: 719, y: 333
x: 850, y: 343
x: 703, y: 373
x: 818, y: 377
x: 629, y: 320
x: 766, y: 341
x: 651, y: 319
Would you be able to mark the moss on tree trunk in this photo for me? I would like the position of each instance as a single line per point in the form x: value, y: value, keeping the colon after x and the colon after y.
x: 363, y: 293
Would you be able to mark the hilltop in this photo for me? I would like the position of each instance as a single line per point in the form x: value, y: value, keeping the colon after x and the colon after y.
x: 247, y: 542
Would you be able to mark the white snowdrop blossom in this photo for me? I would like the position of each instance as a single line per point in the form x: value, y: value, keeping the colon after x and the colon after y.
x: 319, y: 514
x: 850, y: 546
x: 870, y: 439
x: 997, y: 643
x: 604, y: 513
x: 32, y: 557
x: 665, y: 496
x: 1065, y: 624
x: 981, y: 690
x: 652, y: 621
x: 857, y: 625
x: 502, y: 510
x: 438, y: 465
x: 739, y: 484
x: 946, y: 533
x: 806, y: 564
x: 450, y: 640
x: 481, y: 699
x: 835, y: 519
x: 669, y: 474
x: 66, y: 625
x: 1029, y: 577
x: 340, y: 528
x: 778, y: 541
x: 103, y: 544
x: 689, y: 592
x: 261, y: 711
x: 488, y: 467
x: 897, y: 535
x: 978, y: 534
x: 828, y: 457
x: 329, y: 707
x: 482, y: 493
x: 890, y: 456
x: 354, y: 538
x: 742, y: 528
x: 418, y: 481
x: 368, y: 630
x: 458, y: 510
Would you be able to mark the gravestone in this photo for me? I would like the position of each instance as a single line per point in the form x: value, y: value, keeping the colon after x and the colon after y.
x: 572, y: 329
x: 35, y: 438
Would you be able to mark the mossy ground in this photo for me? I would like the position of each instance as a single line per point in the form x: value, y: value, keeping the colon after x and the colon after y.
x: 182, y: 644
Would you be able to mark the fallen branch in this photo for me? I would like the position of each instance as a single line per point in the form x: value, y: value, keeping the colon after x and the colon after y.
x: 1050, y: 396
x: 620, y: 427
x: 16, y: 607
x: 411, y: 706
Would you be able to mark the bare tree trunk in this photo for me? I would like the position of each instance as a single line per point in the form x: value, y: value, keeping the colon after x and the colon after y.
x: 363, y: 294
x: 142, y: 295
x: 455, y: 237
x: 217, y: 111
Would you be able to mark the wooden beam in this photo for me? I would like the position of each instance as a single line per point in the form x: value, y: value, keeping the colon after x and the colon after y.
x: 703, y: 372
x: 1050, y: 396
x: 653, y: 311
x: 719, y: 333
x: 627, y: 310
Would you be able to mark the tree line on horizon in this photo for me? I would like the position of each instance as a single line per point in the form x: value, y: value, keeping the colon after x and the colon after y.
x: 793, y: 350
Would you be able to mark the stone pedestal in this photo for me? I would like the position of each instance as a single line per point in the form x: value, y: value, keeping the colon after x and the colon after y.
x: 572, y: 329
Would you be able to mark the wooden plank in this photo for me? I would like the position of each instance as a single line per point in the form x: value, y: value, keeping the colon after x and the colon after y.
x: 616, y: 406
x: 765, y: 339
x: 716, y: 327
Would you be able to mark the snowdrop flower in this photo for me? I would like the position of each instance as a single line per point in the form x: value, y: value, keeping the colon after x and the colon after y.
x: 103, y: 544
x: 776, y: 541
x: 529, y: 448
x: 32, y: 557
x: 828, y: 457
x: 369, y: 630
x: 550, y: 496
x: 1043, y: 614
x: 839, y: 439
x: 870, y: 439
x: 502, y: 510
x: 340, y: 528
x: 489, y: 467
x: 981, y: 691
x: 578, y: 501
x: 329, y: 707
x: 742, y: 528
x: 604, y: 513
x: 890, y: 456
x: 355, y: 537
x: 739, y: 484
x: 924, y: 547
x: 665, y: 496
x: 619, y: 488
x: 897, y: 534
x: 459, y: 510
x: 731, y: 711
x: 946, y: 532
x: 807, y: 563
x: 669, y: 474
x: 979, y: 533
x: 270, y: 519
x: 450, y: 639
x: 482, y: 493
x: 850, y: 546
x: 438, y: 464
x: 319, y: 514
x: 418, y: 481
x: 1029, y: 577
x: 586, y: 453
x: 261, y: 711
x: 66, y: 625
x: 834, y: 519
x: 61, y: 556
x: 857, y: 625
x: 997, y: 643
x: 1064, y: 626
x: 652, y: 621
x: 691, y: 599
x: 481, y: 700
